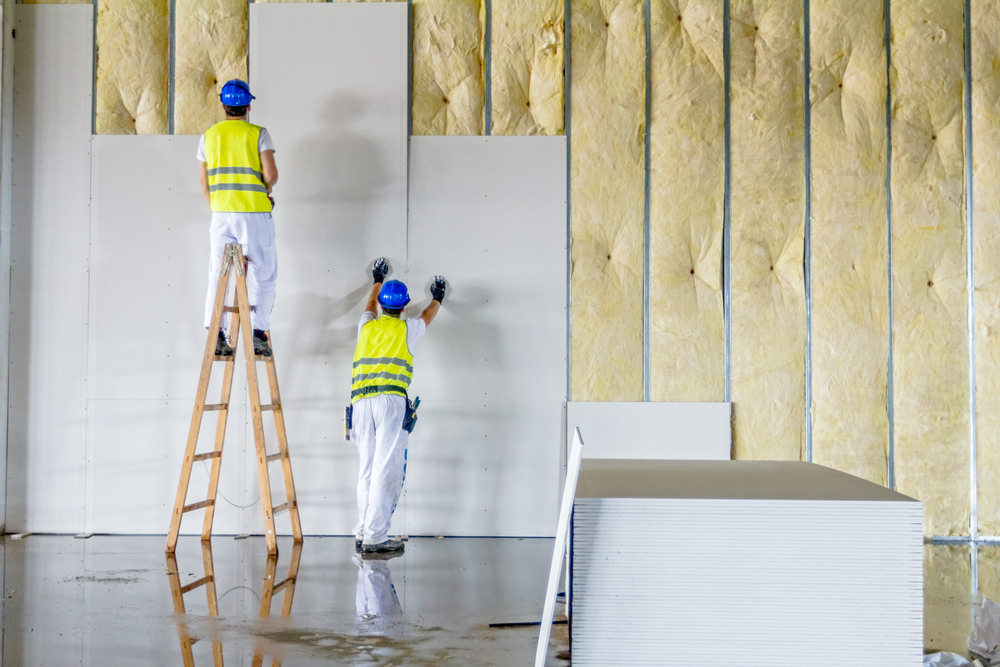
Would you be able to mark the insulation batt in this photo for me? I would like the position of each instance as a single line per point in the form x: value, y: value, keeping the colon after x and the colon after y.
x: 210, y: 49
x: 687, y: 163
x: 985, y: 21
x: 527, y: 67
x: 448, y: 89
x: 849, y: 238
x: 607, y: 177
x: 132, y: 66
x: 929, y: 276
x: 768, y: 200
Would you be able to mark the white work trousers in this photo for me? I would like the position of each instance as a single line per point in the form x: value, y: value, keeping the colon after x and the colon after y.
x: 377, y: 430
x: 255, y: 233
x: 375, y: 595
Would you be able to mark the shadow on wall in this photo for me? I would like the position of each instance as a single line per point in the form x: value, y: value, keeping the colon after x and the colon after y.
x: 344, y: 164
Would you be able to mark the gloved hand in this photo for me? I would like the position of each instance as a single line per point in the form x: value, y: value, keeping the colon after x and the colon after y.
x: 380, y: 269
x: 438, y: 288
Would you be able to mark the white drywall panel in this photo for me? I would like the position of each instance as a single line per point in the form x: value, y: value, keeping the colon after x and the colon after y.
x: 49, y: 267
x: 339, y: 128
x: 652, y: 430
x: 489, y: 214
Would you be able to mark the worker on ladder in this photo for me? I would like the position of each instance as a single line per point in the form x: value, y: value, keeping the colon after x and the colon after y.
x: 381, y: 416
x: 238, y: 172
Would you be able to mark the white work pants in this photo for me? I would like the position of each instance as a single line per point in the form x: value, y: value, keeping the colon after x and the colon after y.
x: 255, y: 233
x: 375, y: 595
x: 377, y: 430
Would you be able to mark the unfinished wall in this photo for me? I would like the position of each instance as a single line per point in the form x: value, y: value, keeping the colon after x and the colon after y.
x: 985, y: 75
x: 929, y: 277
x: 849, y: 239
x: 687, y: 346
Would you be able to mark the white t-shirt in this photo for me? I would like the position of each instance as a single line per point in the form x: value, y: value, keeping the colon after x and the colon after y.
x: 264, y: 143
x: 415, y: 328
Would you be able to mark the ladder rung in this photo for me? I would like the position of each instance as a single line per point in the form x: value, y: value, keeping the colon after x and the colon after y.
x: 206, y: 456
x: 287, y: 582
x: 270, y: 406
x: 220, y: 357
x: 230, y: 309
x: 282, y: 508
x: 274, y: 457
x: 201, y: 582
x: 197, y: 506
x: 215, y: 407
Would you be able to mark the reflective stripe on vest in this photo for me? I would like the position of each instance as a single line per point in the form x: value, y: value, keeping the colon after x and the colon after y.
x: 235, y: 174
x: 382, y: 361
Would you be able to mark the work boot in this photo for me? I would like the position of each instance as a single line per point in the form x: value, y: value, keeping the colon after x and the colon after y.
x: 261, y: 348
x: 357, y: 544
x: 388, y: 546
x: 222, y: 348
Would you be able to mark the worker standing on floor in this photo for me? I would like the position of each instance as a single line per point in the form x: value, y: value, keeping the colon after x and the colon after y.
x: 381, y: 416
x: 238, y: 172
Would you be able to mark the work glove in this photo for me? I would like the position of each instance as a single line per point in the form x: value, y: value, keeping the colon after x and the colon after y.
x: 380, y: 269
x: 438, y: 288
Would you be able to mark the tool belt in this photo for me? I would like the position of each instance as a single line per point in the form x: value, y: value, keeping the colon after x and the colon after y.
x: 409, y: 417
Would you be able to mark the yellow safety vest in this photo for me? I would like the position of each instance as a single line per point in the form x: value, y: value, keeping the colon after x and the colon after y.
x: 235, y: 175
x: 382, y: 360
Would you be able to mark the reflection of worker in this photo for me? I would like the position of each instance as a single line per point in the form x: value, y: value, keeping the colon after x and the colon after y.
x: 237, y: 174
x: 375, y: 595
x: 383, y: 368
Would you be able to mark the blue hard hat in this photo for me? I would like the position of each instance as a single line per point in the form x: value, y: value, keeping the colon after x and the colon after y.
x: 393, y: 295
x: 236, y: 93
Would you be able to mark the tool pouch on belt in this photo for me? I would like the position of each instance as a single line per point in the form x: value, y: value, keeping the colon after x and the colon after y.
x: 410, y: 414
x: 347, y: 422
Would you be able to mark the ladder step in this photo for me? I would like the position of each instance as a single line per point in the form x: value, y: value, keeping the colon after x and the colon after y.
x: 215, y: 407
x: 219, y: 357
x: 282, y: 508
x: 270, y: 406
x: 195, y: 584
x: 197, y: 506
x: 275, y: 457
x: 230, y: 309
x: 206, y: 456
x: 287, y: 582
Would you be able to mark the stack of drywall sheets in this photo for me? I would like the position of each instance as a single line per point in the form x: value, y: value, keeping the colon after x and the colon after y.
x: 742, y: 563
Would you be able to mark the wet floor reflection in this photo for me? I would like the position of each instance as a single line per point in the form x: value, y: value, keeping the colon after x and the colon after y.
x: 226, y: 602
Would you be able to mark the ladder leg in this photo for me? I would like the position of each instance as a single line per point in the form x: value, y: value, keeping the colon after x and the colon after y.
x: 196, y: 417
x: 225, y: 395
x: 258, y: 425
x: 286, y: 461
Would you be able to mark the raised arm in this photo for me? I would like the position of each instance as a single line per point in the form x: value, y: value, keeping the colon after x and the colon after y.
x: 438, y: 289
x: 380, y: 268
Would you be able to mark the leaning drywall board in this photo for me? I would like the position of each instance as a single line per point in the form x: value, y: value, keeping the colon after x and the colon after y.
x: 339, y: 127
x: 53, y: 54
x: 488, y: 213
x: 652, y: 430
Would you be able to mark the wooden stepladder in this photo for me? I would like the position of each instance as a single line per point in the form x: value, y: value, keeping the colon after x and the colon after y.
x: 239, y: 328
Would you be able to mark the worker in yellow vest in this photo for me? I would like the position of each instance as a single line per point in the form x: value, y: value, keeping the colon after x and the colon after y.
x: 383, y: 368
x: 238, y: 172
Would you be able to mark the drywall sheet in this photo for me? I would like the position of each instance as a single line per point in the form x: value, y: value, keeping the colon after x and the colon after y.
x: 49, y: 268
x: 947, y: 597
x: 133, y: 66
x: 527, y: 66
x: 768, y: 213
x: 687, y: 347
x: 607, y: 181
x: 488, y: 213
x: 986, y: 272
x: 849, y: 233
x: 930, y: 323
x: 651, y: 430
x: 448, y: 89
x: 210, y: 47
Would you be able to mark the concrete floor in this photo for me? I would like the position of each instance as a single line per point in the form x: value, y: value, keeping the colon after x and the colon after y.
x: 114, y: 600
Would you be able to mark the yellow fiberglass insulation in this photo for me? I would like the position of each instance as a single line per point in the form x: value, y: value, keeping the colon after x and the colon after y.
x: 132, y: 66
